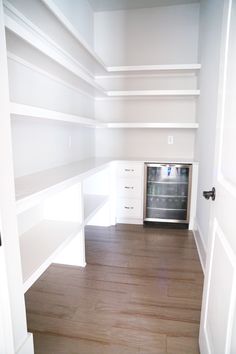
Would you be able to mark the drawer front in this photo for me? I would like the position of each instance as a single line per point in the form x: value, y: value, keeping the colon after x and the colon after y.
x: 129, y: 188
x: 128, y: 170
x: 129, y: 208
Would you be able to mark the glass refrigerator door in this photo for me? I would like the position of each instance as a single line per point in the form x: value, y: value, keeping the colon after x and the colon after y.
x: 167, y: 192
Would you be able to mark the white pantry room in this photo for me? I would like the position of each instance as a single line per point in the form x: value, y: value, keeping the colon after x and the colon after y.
x: 112, y: 120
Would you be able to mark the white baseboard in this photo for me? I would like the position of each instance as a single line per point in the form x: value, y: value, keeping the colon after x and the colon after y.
x: 201, y: 248
x: 28, y: 346
x: 129, y: 221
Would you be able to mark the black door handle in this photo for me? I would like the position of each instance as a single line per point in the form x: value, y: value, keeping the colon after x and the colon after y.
x: 210, y: 194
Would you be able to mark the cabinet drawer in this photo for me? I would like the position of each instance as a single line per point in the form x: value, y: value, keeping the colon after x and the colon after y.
x: 129, y: 187
x: 129, y: 208
x: 128, y: 170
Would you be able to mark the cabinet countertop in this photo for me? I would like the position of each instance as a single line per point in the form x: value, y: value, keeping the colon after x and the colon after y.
x: 40, y: 183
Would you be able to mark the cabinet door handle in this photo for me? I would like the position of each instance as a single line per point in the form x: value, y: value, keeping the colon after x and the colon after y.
x: 126, y: 187
x: 129, y: 170
x: 126, y: 207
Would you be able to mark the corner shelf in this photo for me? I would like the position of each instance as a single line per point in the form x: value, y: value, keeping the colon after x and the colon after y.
x: 17, y: 109
x: 41, y: 244
x: 92, y: 203
x: 154, y: 125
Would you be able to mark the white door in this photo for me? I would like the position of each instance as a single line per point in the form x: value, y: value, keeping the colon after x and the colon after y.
x: 218, y: 320
x: 6, y: 335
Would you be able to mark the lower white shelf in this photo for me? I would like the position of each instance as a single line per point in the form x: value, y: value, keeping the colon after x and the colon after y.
x: 92, y: 203
x: 41, y: 244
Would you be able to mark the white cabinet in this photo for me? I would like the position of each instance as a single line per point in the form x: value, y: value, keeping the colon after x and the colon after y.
x: 129, y: 192
x: 129, y: 187
x: 129, y: 208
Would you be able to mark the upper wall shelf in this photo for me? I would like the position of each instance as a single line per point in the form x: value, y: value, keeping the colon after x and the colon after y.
x: 154, y: 67
x: 18, y: 24
x: 154, y: 125
x: 153, y: 93
x: 17, y: 109
x: 74, y: 32
x: 30, y: 34
x: 99, y: 64
x: 150, y: 69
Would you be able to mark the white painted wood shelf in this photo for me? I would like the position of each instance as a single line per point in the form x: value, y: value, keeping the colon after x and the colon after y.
x: 55, y: 10
x: 34, y: 188
x: 40, y: 245
x: 17, y: 109
x: 153, y: 93
x: 154, y: 125
x: 18, y: 24
x: 21, y: 110
x: 164, y: 67
x: 24, y: 29
x: 92, y: 203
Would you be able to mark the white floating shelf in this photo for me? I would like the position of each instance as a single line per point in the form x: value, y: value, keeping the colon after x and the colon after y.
x: 55, y: 10
x: 18, y: 24
x: 147, y: 68
x: 37, y: 112
x: 41, y: 244
x: 154, y: 125
x: 152, y: 93
x: 92, y: 203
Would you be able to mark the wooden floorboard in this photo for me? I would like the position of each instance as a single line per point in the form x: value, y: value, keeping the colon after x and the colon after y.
x: 140, y: 293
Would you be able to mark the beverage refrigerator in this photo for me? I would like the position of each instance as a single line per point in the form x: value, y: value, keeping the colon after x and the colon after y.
x: 167, y: 192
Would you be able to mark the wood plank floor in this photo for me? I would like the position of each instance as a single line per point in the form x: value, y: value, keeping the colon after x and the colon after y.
x: 140, y: 293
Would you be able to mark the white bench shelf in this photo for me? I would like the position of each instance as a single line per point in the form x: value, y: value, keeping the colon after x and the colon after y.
x: 92, y: 203
x: 40, y: 245
x: 34, y: 188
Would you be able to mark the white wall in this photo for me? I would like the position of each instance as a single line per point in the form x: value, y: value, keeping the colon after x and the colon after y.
x: 42, y: 144
x: 161, y: 35
x: 39, y: 145
x: 211, y: 13
x: 144, y: 143
x: 80, y: 14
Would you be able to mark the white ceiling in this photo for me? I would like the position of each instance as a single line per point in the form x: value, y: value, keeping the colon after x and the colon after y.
x: 113, y: 5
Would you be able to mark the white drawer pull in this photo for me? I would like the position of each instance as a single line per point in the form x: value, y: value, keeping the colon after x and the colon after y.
x: 126, y: 187
x: 129, y: 170
x: 131, y: 208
